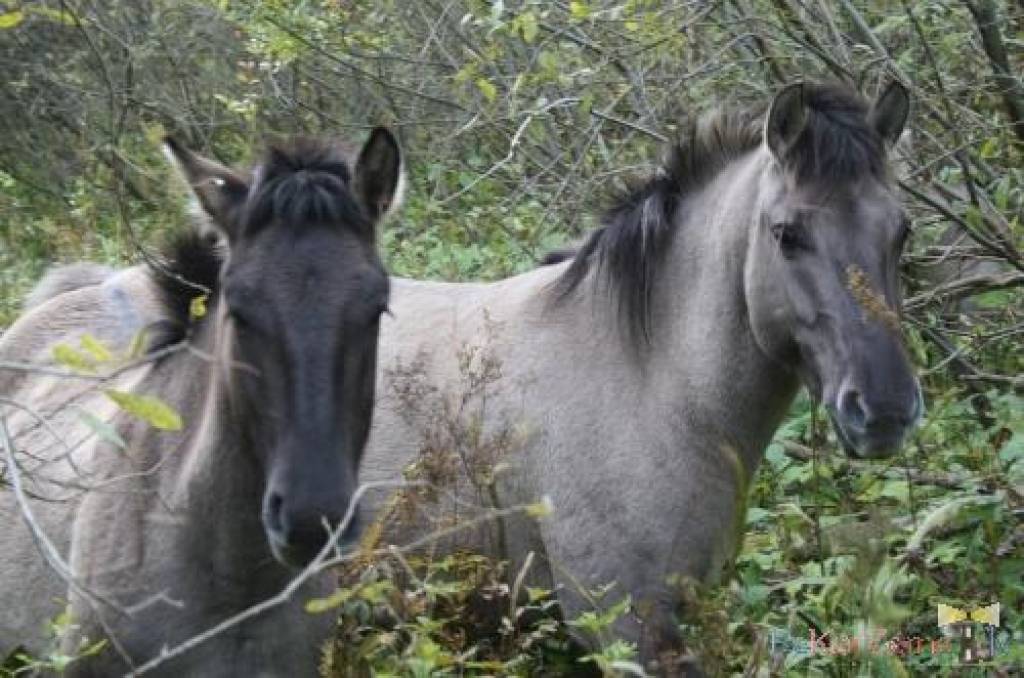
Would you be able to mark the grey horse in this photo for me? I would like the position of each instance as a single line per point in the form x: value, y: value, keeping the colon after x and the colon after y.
x: 159, y: 542
x: 640, y: 381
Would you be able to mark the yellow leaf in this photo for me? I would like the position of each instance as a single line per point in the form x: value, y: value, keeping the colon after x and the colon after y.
x: 11, y: 19
x: 197, y: 307
x: 541, y: 509
x: 137, y: 347
x: 95, y: 348
x: 318, y: 605
x: 537, y: 594
x: 153, y: 411
x: 73, y: 359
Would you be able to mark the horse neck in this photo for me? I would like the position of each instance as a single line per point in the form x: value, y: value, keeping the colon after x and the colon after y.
x: 215, y: 484
x: 707, y: 357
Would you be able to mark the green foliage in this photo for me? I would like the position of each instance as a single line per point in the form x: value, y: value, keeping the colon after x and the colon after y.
x: 866, y: 551
x: 23, y: 664
x: 449, y: 616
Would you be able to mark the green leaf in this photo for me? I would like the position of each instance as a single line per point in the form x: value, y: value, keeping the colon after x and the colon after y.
x: 547, y: 63
x: 94, y: 649
x: 11, y: 19
x: 1013, y: 451
x: 586, y: 104
x: 102, y: 429
x: 60, y: 661
x: 756, y: 514
x: 994, y: 299
x: 596, y: 621
x: 622, y: 666
x: 528, y: 26
x: 579, y: 10
x: 487, y: 88
x: 990, y: 148
x: 150, y: 409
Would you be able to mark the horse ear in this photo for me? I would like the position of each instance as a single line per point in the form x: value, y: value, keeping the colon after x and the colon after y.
x: 889, y: 114
x: 379, y: 179
x: 216, y: 188
x: 786, y: 119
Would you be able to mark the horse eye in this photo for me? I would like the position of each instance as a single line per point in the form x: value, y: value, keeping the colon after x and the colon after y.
x: 788, y: 235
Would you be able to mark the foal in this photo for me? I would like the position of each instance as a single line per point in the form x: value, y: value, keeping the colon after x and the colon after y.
x: 275, y: 386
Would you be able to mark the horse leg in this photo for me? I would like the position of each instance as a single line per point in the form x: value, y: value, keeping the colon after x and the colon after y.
x: 644, y: 543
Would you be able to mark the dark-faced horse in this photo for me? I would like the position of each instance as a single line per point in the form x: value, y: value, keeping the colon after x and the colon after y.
x: 275, y: 385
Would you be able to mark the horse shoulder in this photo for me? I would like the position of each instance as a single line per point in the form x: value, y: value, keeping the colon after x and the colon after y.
x: 65, y: 448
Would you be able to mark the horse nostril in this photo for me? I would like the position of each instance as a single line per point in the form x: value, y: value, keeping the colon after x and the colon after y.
x: 275, y: 513
x: 852, y: 408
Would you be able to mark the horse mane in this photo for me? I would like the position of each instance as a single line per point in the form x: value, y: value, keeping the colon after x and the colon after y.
x: 626, y: 251
x: 302, y: 182
x: 188, y: 268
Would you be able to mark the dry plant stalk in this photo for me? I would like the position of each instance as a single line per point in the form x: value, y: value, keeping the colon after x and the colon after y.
x: 872, y: 303
x: 454, y: 473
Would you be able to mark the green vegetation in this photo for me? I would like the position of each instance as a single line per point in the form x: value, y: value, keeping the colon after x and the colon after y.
x: 520, y: 119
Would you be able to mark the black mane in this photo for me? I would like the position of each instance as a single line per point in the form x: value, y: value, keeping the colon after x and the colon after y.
x: 836, y: 144
x: 188, y: 268
x: 305, y: 182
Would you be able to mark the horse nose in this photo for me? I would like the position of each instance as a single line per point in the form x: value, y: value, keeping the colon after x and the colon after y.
x: 861, y: 414
x: 876, y: 426
x: 298, y: 531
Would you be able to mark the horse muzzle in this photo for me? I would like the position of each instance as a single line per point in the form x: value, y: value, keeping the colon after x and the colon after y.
x: 297, y: 537
x: 874, y: 431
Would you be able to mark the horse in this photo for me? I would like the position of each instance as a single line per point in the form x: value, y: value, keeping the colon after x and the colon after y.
x: 635, y: 385
x: 67, y: 278
x: 263, y: 339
